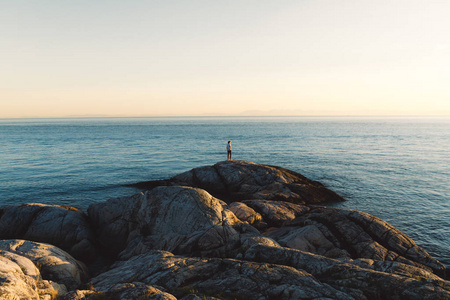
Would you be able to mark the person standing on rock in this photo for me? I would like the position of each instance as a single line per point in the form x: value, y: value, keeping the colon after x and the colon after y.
x: 229, y: 150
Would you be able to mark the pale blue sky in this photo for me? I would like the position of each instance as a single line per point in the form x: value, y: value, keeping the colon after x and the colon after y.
x: 135, y: 58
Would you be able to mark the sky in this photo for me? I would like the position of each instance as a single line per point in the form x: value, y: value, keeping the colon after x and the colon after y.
x: 224, y: 58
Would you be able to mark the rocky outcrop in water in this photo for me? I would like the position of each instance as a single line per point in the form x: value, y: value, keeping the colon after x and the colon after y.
x: 175, y: 241
x: 237, y: 180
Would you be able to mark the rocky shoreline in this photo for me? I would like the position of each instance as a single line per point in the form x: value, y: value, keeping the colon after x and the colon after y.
x: 235, y: 230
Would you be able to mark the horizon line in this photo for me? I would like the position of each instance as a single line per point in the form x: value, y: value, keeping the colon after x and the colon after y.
x: 226, y: 116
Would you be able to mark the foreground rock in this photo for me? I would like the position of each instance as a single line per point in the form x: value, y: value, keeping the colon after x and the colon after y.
x: 237, y: 180
x: 54, y: 264
x: 361, y: 278
x: 335, y: 233
x: 223, y: 278
x: 20, y: 279
x: 175, y: 241
x: 65, y: 227
x: 182, y: 220
x: 30, y: 270
x: 353, y: 234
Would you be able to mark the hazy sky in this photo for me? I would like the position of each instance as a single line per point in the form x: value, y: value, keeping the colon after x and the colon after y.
x: 140, y: 58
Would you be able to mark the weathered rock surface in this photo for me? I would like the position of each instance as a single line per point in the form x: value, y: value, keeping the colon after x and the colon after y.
x: 30, y: 270
x: 20, y: 279
x: 181, y: 241
x: 237, y: 180
x: 122, y: 291
x: 182, y: 220
x: 53, y: 263
x: 223, y: 278
x: 64, y: 227
x: 348, y: 233
x: 246, y: 214
x: 393, y: 239
x: 276, y: 213
x: 362, y: 278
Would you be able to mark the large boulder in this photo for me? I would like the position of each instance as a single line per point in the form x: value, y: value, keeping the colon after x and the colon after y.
x: 183, y: 220
x: 62, y: 226
x: 53, y: 263
x: 238, y: 180
x: 223, y: 278
x: 20, y: 279
x: 344, y: 233
x: 361, y: 278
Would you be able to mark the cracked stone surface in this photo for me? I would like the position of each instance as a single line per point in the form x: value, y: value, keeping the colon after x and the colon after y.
x: 266, y: 241
x: 225, y: 277
x: 361, y: 278
x: 65, y: 227
x: 348, y: 233
x: 239, y: 180
x: 53, y: 263
x: 182, y: 220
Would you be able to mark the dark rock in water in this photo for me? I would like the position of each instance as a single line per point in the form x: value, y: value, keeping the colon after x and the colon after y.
x: 239, y: 180
x: 62, y: 226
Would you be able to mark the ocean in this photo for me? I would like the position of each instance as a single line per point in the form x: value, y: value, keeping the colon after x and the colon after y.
x: 396, y: 168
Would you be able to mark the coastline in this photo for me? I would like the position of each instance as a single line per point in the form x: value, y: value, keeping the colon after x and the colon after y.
x: 273, y: 220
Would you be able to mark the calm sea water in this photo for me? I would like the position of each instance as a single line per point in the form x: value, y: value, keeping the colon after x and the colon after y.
x: 395, y: 168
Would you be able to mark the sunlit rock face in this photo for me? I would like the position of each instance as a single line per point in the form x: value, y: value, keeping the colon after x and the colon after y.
x: 29, y: 270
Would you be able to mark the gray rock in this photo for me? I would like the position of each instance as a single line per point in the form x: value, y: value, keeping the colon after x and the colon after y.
x: 237, y: 180
x: 64, y: 227
x: 363, y: 279
x: 14, y: 282
x: 53, y: 263
x: 20, y: 277
x: 225, y: 278
x: 392, y: 238
x: 276, y: 213
x: 309, y: 251
x: 308, y: 238
x: 183, y: 220
x: 114, y: 220
x: 352, y: 234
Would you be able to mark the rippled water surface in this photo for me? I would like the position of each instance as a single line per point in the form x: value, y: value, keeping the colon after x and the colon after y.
x: 395, y: 168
